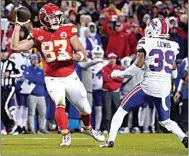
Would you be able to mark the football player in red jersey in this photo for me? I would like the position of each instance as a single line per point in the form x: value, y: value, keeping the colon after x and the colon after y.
x: 60, y: 47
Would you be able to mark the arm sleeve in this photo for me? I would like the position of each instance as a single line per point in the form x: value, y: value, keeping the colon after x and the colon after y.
x: 88, y: 64
x: 106, y: 27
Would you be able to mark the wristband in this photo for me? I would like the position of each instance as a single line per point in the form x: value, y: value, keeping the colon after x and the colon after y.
x: 81, y: 55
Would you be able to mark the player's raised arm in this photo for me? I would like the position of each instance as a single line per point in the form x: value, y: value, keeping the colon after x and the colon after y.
x: 133, y: 69
x: 23, y: 45
x: 80, y: 54
x: 23, y: 16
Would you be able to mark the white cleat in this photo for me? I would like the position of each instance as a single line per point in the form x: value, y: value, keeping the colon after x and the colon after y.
x: 3, y: 132
x: 66, y: 140
x: 98, y: 136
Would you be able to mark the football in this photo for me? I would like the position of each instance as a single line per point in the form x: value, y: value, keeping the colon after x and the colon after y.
x: 23, y: 14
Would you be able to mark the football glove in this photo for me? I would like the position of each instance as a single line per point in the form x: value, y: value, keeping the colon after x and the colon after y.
x: 116, y: 73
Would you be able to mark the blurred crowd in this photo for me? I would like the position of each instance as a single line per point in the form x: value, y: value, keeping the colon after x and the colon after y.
x: 109, y: 31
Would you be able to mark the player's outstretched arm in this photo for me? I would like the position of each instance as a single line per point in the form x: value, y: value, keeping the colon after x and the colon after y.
x: 23, y: 45
x: 133, y: 69
x: 80, y: 54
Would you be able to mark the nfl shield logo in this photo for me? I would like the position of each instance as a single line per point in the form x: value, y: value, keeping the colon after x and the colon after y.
x: 63, y: 35
x: 40, y: 38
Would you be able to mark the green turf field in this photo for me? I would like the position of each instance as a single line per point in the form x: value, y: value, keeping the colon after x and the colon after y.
x: 83, y: 144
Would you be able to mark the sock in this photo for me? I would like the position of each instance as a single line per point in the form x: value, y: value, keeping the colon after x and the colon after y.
x: 141, y: 116
x: 116, y: 123
x: 86, y: 120
x: 62, y: 119
x: 173, y: 127
x: 98, y: 117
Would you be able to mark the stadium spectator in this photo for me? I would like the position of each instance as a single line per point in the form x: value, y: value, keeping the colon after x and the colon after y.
x: 85, y: 40
x: 111, y: 89
x: 96, y: 38
x: 36, y: 100
x: 91, y: 10
x: 134, y: 34
x: 113, y: 37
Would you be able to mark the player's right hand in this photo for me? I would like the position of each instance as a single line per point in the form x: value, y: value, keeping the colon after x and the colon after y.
x: 21, y: 23
x: 116, y: 73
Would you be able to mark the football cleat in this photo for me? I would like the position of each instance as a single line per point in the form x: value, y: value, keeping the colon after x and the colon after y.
x: 107, y: 144
x: 66, y: 140
x: 98, y: 136
x: 185, y: 142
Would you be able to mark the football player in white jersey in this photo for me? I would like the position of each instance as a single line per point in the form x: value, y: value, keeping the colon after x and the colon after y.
x: 97, y: 82
x: 158, y: 55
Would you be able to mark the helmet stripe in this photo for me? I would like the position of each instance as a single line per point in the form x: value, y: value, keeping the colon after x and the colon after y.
x: 164, y: 26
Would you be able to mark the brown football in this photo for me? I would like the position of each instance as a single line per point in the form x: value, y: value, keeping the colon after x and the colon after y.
x: 23, y: 14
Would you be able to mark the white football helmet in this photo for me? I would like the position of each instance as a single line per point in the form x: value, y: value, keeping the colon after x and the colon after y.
x: 157, y: 28
x: 126, y: 61
x: 97, y: 52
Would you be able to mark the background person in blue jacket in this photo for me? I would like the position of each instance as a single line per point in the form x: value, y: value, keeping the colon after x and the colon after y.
x: 36, y: 100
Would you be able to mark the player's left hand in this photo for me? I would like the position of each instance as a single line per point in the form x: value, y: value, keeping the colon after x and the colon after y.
x: 63, y: 55
x: 177, y: 97
x: 116, y: 73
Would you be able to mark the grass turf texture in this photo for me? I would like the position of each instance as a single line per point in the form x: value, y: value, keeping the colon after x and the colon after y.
x: 82, y: 144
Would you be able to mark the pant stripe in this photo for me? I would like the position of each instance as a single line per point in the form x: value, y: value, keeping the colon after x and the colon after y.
x: 7, y: 102
x: 129, y: 95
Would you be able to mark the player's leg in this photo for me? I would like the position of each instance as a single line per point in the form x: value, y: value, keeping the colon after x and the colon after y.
x: 32, y: 103
x: 77, y: 95
x: 97, y: 98
x: 162, y: 106
x: 134, y: 99
x: 41, y: 108
x: 56, y: 90
x: 22, y: 111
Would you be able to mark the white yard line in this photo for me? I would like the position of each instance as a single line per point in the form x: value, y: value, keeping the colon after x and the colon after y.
x: 40, y: 138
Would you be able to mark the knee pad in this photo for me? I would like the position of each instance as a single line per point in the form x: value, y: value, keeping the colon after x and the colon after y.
x: 168, y: 124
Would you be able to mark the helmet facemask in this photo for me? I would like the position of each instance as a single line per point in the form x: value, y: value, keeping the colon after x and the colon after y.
x: 97, y: 53
x: 54, y: 21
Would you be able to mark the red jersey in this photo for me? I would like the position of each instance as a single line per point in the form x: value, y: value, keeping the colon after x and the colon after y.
x: 51, y: 44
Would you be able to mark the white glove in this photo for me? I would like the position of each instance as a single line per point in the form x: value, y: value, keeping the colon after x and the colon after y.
x: 21, y: 23
x: 63, y: 55
x: 116, y: 73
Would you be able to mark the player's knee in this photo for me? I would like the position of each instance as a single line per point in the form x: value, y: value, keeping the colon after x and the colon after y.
x: 168, y: 124
x: 86, y: 111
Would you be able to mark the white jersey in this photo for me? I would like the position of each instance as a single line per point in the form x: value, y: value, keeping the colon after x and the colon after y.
x: 20, y: 60
x: 159, y: 59
x: 97, y: 80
